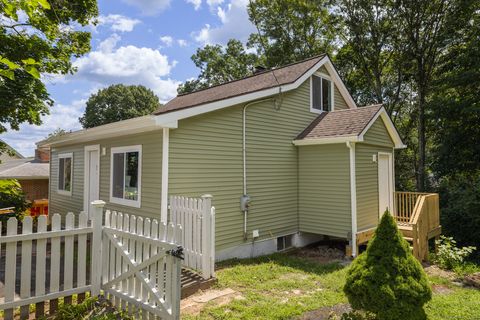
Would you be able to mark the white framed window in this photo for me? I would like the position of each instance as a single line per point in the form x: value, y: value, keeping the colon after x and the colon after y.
x: 125, y: 175
x: 65, y: 174
x: 321, y: 93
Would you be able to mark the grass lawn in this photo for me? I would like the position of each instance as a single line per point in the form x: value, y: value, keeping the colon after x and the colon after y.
x: 282, y: 286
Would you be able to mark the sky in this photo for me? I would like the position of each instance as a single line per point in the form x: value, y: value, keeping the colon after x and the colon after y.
x: 147, y: 42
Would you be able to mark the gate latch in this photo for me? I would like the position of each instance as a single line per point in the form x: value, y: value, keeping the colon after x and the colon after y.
x: 177, y: 252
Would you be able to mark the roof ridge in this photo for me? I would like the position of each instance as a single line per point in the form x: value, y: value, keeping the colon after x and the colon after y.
x: 254, y: 75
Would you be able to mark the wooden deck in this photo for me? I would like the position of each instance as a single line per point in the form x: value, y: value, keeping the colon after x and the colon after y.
x: 193, y: 282
x: 418, y: 218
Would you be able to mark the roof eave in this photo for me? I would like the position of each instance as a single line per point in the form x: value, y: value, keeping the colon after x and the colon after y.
x: 327, y: 140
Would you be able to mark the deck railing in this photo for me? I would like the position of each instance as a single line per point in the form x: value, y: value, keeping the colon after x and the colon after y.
x: 405, y: 205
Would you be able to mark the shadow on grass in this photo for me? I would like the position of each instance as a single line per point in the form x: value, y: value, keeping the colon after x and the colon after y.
x: 286, y: 260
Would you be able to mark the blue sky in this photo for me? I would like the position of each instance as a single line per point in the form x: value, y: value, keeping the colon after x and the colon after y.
x: 146, y: 42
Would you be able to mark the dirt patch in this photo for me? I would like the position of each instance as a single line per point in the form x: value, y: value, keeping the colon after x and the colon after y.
x: 326, y: 312
x: 194, y: 304
x: 434, y: 270
x: 322, y: 254
x: 441, y: 289
x: 473, y: 280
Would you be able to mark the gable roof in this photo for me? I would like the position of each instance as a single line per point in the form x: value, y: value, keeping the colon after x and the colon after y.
x: 6, y: 156
x: 265, y: 80
x: 28, y: 168
x: 346, y: 125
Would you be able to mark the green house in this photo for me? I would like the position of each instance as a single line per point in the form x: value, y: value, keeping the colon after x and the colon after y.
x: 292, y: 139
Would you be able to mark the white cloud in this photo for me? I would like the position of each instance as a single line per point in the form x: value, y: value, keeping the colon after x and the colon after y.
x: 149, y: 7
x: 63, y: 116
x: 128, y: 65
x: 213, y: 3
x: 182, y: 42
x: 118, y: 22
x: 196, y: 3
x: 234, y: 24
x: 167, y: 40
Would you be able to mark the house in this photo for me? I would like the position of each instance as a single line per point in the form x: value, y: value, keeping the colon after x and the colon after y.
x: 286, y: 153
x: 9, y: 153
x: 32, y: 173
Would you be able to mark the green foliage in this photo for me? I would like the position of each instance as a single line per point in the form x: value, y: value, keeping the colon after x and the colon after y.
x: 92, y: 308
x: 292, y: 30
x: 386, y: 279
x: 11, y: 195
x: 219, y: 65
x: 38, y: 41
x: 460, y: 207
x: 118, y: 102
x: 448, y: 255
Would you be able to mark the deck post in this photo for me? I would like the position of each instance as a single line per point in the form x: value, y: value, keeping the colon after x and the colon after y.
x: 97, y: 246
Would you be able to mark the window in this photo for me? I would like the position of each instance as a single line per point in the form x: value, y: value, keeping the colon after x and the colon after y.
x: 126, y: 175
x: 322, y: 94
x: 65, y: 173
x: 284, y: 242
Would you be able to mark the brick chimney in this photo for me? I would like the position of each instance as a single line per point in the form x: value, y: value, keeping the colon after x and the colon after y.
x: 42, y: 154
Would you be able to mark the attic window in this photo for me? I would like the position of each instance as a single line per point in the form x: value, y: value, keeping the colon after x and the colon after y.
x: 321, y: 94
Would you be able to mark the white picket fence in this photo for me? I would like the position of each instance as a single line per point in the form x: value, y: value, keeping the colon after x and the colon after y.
x: 135, y: 263
x: 197, y: 217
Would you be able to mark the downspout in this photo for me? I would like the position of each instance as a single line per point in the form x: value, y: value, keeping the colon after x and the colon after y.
x: 164, y: 197
x: 353, y: 197
x: 244, y: 151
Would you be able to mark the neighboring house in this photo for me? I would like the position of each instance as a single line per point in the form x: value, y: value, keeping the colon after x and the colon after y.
x: 32, y: 173
x: 292, y: 139
x: 9, y: 153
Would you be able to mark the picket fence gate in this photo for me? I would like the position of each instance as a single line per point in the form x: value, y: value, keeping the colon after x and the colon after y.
x: 135, y: 261
x: 197, y: 217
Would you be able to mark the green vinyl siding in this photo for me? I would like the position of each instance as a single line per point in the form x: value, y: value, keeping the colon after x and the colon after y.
x: 60, y: 203
x: 338, y: 99
x: 377, y: 134
x: 376, y: 139
x: 206, y: 157
x: 324, y: 190
x: 150, y: 181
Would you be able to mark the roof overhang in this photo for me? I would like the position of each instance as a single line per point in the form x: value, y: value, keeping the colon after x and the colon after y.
x: 116, y: 129
x: 180, y: 114
x: 25, y: 177
x: 392, y: 131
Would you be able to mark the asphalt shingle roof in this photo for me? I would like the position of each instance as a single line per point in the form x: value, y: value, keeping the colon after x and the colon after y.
x: 28, y: 168
x: 341, y: 123
x: 261, y: 81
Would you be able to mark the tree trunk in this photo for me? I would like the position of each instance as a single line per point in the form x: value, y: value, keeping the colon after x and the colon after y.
x: 421, y: 142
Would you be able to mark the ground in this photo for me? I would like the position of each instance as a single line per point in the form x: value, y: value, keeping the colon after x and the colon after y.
x: 305, y: 286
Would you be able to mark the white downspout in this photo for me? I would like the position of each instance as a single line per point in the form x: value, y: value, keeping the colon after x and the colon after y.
x: 353, y: 197
x: 164, y: 198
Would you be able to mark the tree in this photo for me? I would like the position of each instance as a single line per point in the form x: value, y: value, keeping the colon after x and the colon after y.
x: 292, y: 30
x: 386, y: 279
x: 118, y: 102
x: 219, y: 65
x: 40, y: 40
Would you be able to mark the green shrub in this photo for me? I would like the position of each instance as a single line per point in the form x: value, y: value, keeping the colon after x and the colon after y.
x: 386, y: 279
x: 448, y: 255
x: 11, y: 195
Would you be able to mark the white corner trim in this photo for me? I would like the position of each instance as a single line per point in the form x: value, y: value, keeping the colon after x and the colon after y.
x: 165, y: 158
x: 63, y: 156
x: 86, y: 173
x: 392, y: 131
x: 353, y: 197
x: 172, y: 117
x: 316, y: 141
x: 126, y: 202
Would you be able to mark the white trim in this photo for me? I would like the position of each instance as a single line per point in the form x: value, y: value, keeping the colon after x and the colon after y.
x: 315, y: 141
x: 165, y: 156
x: 116, y: 129
x: 353, y: 197
x: 65, y: 156
x: 332, y: 92
x: 392, y: 131
x: 390, y: 181
x: 86, y: 174
x: 172, y: 117
x: 131, y: 203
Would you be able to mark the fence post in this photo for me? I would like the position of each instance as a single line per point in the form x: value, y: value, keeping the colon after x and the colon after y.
x: 97, y: 246
x: 207, y: 236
